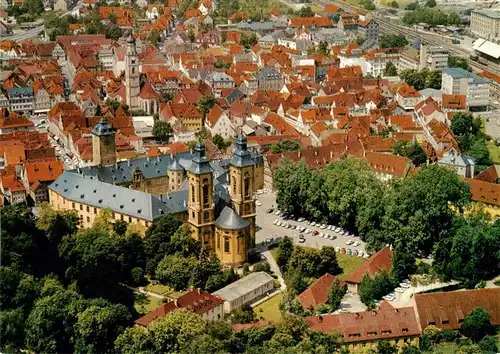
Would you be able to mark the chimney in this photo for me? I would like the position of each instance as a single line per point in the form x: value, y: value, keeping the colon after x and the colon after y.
x: 356, y: 315
x: 374, y: 313
x: 185, y: 203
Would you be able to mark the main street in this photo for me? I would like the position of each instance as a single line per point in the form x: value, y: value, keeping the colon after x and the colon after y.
x: 23, y: 35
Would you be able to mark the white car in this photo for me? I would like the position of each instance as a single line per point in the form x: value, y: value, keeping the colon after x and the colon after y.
x: 275, y: 221
x: 300, y: 219
x: 348, y: 242
x: 399, y: 290
x: 389, y: 298
x: 322, y: 227
x: 308, y: 231
x: 313, y: 223
x: 277, y: 212
x: 361, y: 254
x: 279, y: 223
x: 356, y: 244
x: 405, y: 285
x: 258, y: 203
x: 337, y: 249
x: 366, y: 255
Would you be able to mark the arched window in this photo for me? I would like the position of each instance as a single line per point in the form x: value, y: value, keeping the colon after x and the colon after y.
x: 192, y: 193
x: 233, y: 182
x: 246, y: 182
x: 206, y: 192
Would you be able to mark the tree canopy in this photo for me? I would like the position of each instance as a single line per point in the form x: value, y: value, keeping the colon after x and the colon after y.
x: 162, y: 131
x: 285, y: 145
x: 392, y: 41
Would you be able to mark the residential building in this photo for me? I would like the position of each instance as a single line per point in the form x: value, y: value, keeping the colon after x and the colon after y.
x: 485, y: 23
x: 351, y: 55
x: 485, y: 190
x: 378, y: 262
x: 448, y: 310
x: 388, y: 166
x: 409, y: 58
x: 269, y: 78
x: 21, y: 99
x: 494, y: 80
x: 433, y: 57
x: 407, y: 97
x: 364, y: 330
x: 245, y: 290
x: 10, y: 122
x: 185, y: 113
x: 208, y: 306
x: 218, y: 81
x: 376, y: 60
x: 461, y: 164
x: 37, y: 176
x: 458, y: 81
x: 217, y: 122
x: 12, y: 189
x: 317, y: 293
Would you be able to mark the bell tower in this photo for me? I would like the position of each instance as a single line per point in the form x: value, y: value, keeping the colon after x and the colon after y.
x: 103, y: 144
x: 201, y: 195
x: 132, y: 74
x: 242, y: 185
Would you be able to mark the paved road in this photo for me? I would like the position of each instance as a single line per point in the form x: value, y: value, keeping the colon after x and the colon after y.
x: 34, y: 31
x: 266, y: 228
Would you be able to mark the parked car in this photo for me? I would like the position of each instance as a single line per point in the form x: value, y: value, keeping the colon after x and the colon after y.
x: 389, y: 298
x: 322, y: 227
x: 315, y: 232
x: 302, y: 239
x: 333, y: 237
x: 343, y: 250
x: 308, y: 231
x: 405, y: 285
x: 356, y: 243
x: 349, y: 252
x: 300, y: 219
x: 354, y: 252
x: 313, y: 223
x: 275, y: 222
x: 258, y: 203
x: 337, y: 249
x: 348, y: 242
x: 360, y: 254
x: 399, y: 290
x: 366, y: 255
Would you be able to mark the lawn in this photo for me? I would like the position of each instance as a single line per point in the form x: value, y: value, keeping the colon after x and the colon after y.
x: 494, y: 152
x: 145, y: 303
x: 349, y: 263
x: 163, y: 290
x: 269, y: 310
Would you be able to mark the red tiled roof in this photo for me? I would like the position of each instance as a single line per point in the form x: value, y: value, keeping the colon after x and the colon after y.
x: 382, y: 260
x: 454, y: 101
x: 148, y: 93
x: 279, y: 124
x: 214, y: 115
x: 197, y: 301
x: 484, y: 192
x: 388, y: 163
x: 317, y: 292
x: 368, y: 325
x: 13, y: 120
x: 447, y: 310
x: 45, y: 171
x: 491, y: 174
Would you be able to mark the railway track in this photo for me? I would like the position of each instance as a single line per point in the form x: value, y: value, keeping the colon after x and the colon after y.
x: 388, y: 27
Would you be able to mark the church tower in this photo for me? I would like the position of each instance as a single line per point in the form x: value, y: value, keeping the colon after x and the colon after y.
x: 242, y: 185
x: 132, y: 75
x: 103, y: 144
x: 201, y: 195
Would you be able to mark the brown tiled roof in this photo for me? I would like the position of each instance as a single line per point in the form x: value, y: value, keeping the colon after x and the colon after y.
x: 491, y: 174
x: 447, y: 310
x: 197, y: 301
x: 382, y: 260
x: 484, y: 192
x: 280, y: 125
x: 331, y: 9
x: 369, y: 325
x: 45, y: 171
x: 13, y: 120
x: 454, y: 101
x: 270, y: 139
x: 388, y: 163
x: 317, y: 292
x: 147, y: 92
x: 214, y: 115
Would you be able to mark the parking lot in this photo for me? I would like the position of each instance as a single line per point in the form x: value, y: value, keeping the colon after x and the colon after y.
x: 266, y: 228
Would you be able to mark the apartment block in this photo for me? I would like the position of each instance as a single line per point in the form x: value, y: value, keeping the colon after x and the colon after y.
x: 485, y: 23
x: 433, y: 57
x: 457, y: 81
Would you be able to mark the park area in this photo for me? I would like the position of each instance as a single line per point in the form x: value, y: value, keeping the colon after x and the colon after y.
x: 269, y: 310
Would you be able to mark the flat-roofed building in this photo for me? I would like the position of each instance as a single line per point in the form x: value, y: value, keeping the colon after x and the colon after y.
x: 485, y: 23
x: 457, y: 81
x: 245, y: 291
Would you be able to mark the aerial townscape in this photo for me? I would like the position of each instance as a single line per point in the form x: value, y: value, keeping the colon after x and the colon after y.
x: 254, y: 177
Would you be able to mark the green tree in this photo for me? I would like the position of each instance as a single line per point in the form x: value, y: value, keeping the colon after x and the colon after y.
x: 411, y: 6
x: 243, y: 314
x: 135, y: 340
x: 477, y: 325
x: 205, y: 104
x: 414, y: 151
x: 154, y: 37
x: 366, y: 293
x: 34, y: 7
x: 323, y: 48
x: 431, y: 3
x: 390, y: 69
x: 173, y: 333
x: 248, y: 40
x: 328, y: 262
x: 458, y: 62
x: 162, y: 131
x: 97, y: 327
x: 176, y: 270
x: 394, y: 5
x: 392, y: 41
x: 285, y: 250
x: 191, y: 35
x: 285, y: 145
x: 432, y: 16
x: 385, y: 347
x: 403, y: 264
x: 219, y: 142
x: 335, y: 294
x: 419, y: 211
x: 112, y: 18
x: 305, y: 11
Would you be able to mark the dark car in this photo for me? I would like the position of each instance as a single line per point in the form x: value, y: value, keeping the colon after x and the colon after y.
x: 270, y: 210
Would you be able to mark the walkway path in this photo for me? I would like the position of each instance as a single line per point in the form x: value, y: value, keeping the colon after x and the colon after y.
x: 145, y: 292
x: 274, y: 268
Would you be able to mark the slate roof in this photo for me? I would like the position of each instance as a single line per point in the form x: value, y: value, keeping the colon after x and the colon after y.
x: 199, y: 163
x: 241, y: 155
x: 243, y: 286
x: 229, y: 220
x: 103, y: 128
x: 90, y: 191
